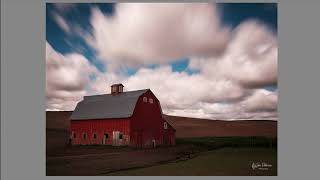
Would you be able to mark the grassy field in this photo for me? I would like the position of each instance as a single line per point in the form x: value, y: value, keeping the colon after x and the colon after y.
x: 229, y: 149
x: 214, y: 156
x: 211, y: 143
x: 221, y: 162
x: 218, y: 156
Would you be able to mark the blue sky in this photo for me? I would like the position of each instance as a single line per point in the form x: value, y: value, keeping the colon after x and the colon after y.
x: 200, y: 59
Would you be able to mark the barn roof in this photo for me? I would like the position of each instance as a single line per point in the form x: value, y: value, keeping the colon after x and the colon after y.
x: 107, y: 106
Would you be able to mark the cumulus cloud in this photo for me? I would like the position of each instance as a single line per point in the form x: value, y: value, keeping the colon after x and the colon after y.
x: 261, y: 100
x: 62, y: 23
x: 251, y: 58
x: 203, y: 96
x: 66, y: 78
x: 260, y: 104
x: 179, y: 93
x: 180, y: 90
x: 70, y: 77
x: 143, y: 33
x: 233, y: 66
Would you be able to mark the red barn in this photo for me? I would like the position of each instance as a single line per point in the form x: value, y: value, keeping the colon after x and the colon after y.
x: 131, y: 118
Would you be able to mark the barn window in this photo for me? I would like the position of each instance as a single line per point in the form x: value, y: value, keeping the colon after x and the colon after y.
x: 151, y: 100
x: 114, y: 88
x: 84, y: 136
x: 145, y: 99
x: 165, y: 125
x: 120, y: 136
x: 120, y: 89
x: 94, y: 136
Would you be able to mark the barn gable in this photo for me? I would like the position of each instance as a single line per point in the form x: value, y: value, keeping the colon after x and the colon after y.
x: 107, y: 106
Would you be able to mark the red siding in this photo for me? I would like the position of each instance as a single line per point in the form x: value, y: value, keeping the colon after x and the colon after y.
x: 147, y: 124
x: 99, y: 127
x: 140, y: 130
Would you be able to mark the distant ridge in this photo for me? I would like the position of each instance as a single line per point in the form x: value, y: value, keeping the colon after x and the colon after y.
x: 190, y: 127
x: 221, y: 119
x: 166, y: 115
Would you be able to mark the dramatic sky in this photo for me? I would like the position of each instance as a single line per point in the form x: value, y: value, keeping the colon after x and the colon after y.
x: 216, y: 61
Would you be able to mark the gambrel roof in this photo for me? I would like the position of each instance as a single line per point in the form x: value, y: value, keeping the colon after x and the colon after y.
x: 107, y: 106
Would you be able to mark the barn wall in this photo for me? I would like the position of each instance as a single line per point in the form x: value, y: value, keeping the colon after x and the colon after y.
x: 99, y: 127
x: 147, y: 124
x: 170, y: 135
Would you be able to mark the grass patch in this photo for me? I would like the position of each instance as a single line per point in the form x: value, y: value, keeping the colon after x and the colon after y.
x: 217, y: 156
x: 212, y: 143
x: 221, y: 162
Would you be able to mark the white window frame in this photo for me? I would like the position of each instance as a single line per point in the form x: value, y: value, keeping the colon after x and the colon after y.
x: 150, y: 100
x: 120, y: 89
x: 114, y: 88
x: 72, y: 134
x: 165, y: 125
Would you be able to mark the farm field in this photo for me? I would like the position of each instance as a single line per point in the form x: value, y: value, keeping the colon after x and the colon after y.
x: 221, y: 162
x: 204, y: 147
x: 99, y: 160
x: 203, y: 155
x: 195, y: 127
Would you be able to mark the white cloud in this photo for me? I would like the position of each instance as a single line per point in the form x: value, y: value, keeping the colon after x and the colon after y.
x: 233, y: 65
x: 62, y: 23
x: 200, y: 96
x: 251, y: 58
x: 143, y: 33
x: 180, y: 90
x: 66, y: 78
x: 179, y: 93
x: 261, y: 100
x: 261, y: 104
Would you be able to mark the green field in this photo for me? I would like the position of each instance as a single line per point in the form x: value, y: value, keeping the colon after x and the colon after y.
x: 212, y: 143
x: 217, y: 156
x: 221, y: 162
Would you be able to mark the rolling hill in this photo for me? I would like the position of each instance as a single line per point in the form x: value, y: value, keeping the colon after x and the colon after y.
x: 188, y: 127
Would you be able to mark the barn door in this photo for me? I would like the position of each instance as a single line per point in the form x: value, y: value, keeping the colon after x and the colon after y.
x: 115, y: 138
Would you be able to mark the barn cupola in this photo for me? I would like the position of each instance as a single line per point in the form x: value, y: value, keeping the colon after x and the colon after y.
x: 116, y: 89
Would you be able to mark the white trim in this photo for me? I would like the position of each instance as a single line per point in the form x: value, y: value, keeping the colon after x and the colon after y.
x: 114, y: 89
x: 120, y: 88
x: 165, y: 125
x: 145, y: 99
